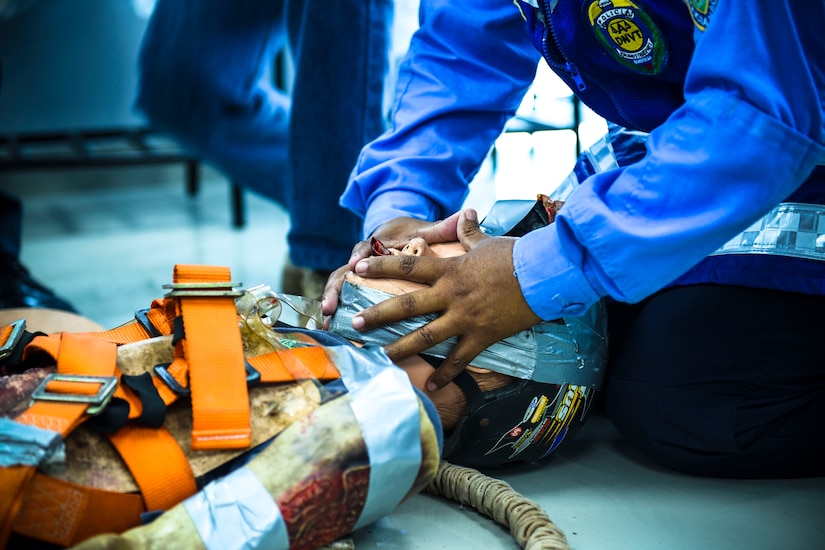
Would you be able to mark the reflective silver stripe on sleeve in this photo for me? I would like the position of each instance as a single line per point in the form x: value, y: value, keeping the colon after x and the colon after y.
x: 790, y: 229
x: 236, y: 512
x: 387, y: 410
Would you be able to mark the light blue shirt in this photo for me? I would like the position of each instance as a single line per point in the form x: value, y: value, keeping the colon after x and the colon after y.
x: 750, y: 131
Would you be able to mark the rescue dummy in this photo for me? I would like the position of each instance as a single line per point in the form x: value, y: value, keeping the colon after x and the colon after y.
x: 323, y: 456
x: 522, y: 397
x: 299, y: 453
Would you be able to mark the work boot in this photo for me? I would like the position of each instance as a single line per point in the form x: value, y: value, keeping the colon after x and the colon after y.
x: 19, y: 289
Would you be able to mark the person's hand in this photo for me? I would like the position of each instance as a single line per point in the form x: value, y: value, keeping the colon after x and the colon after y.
x: 477, y: 295
x: 393, y: 234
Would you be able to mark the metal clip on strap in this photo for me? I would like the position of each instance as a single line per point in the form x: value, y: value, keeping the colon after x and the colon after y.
x: 97, y: 401
x: 203, y: 290
x: 17, y: 329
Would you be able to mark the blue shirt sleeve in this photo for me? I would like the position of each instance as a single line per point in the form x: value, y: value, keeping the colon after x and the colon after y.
x: 466, y: 72
x: 750, y: 132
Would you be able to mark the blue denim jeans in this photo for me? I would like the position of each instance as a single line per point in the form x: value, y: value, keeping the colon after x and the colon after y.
x: 206, y: 77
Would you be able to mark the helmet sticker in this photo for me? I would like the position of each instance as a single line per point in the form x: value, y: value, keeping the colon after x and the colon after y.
x: 545, y: 421
x: 701, y: 12
x: 629, y: 34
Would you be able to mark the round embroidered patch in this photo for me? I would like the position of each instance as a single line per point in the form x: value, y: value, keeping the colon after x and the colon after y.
x: 701, y: 11
x: 629, y: 34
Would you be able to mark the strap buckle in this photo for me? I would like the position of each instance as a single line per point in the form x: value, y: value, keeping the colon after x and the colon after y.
x: 97, y: 402
x: 17, y: 329
x: 203, y: 290
x: 253, y: 378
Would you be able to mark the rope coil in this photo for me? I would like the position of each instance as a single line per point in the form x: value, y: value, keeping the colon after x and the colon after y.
x: 530, y: 526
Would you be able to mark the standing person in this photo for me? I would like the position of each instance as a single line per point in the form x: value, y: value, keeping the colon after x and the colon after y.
x: 206, y: 78
x: 708, y: 248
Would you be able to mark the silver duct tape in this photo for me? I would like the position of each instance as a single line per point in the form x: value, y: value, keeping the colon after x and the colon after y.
x: 790, y: 229
x: 387, y: 411
x: 572, y: 351
x: 236, y: 512
x: 27, y: 445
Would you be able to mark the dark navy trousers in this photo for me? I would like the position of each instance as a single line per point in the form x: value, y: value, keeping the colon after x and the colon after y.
x: 721, y: 380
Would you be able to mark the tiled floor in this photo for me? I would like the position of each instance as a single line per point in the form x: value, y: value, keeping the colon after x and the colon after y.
x: 108, y: 239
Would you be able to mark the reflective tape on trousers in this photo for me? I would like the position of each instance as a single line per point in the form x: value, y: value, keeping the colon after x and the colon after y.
x: 386, y: 407
x: 236, y: 512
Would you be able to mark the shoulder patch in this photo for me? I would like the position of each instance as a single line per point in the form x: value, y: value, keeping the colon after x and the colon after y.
x: 629, y: 34
x: 701, y: 12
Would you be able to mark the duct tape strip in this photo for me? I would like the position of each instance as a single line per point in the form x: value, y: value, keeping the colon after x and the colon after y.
x: 386, y: 406
x: 570, y: 352
x: 237, y: 513
x: 27, y: 445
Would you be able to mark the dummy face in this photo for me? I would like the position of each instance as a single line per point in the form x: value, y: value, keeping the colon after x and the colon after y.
x: 449, y: 400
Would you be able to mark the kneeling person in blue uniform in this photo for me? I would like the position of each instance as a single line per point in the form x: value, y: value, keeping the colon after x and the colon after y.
x: 704, y: 234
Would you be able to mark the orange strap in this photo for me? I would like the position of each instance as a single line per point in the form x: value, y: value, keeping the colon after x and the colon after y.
x: 5, y: 332
x: 65, y: 513
x: 81, y: 355
x: 165, y: 482
x: 214, y: 354
x: 13, y: 484
x: 210, y: 356
x: 295, y: 364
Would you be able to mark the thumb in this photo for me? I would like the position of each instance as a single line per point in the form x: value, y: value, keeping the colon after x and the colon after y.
x: 442, y: 231
x: 469, y: 232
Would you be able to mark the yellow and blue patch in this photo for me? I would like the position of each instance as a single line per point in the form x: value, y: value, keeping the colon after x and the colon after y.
x: 701, y: 12
x: 629, y: 34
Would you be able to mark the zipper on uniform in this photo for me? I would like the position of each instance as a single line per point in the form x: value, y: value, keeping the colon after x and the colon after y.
x: 568, y: 66
x: 573, y: 71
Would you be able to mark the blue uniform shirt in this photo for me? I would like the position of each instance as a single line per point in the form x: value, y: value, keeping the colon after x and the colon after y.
x: 733, y: 94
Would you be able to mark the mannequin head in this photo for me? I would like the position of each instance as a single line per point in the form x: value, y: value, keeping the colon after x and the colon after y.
x: 491, y: 419
x: 450, y: 401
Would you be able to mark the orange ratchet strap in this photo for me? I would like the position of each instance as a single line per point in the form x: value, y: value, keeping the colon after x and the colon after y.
x: 213, y: 352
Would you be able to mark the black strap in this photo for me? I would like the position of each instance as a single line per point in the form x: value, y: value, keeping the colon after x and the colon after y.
x: 116, y: 413
x: 154, y: 409
x: 142, y: 317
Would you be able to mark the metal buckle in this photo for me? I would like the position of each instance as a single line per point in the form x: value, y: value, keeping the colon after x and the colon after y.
x: 162, y: 371
x: 253, y: 378
x: 203, y: 290
x: 97, y: 402
x: 17, y: 329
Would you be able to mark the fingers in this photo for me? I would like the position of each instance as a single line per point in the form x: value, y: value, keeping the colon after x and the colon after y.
x: 403, y: 307
x: 359, y: 252
x: 419, y: 269
x: 442, y: 231
x: 468, y: 231
x: 459, y: 358
x: 332, y: 290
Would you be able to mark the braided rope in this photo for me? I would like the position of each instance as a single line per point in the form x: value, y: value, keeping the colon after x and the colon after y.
x: 530, y: 526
